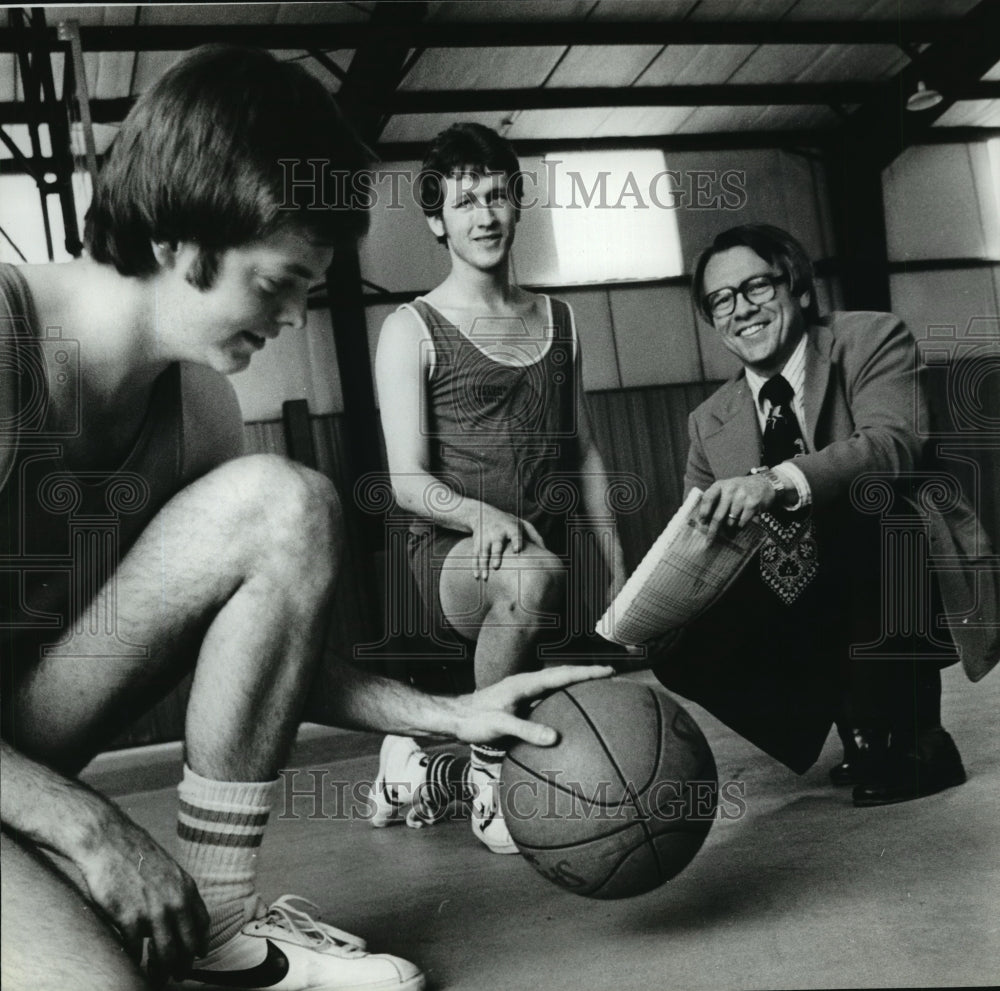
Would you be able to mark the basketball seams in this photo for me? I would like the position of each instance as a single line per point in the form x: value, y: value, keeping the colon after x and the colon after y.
x: 579, y: 844
x: 660, y: 725
x: 565, y: 789
x: 619, y: 863
x: 614, y: 870
x: 643, y: 824
x: 599, y: 737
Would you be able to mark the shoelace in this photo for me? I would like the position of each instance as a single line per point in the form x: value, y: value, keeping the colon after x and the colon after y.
x: 285, y: 914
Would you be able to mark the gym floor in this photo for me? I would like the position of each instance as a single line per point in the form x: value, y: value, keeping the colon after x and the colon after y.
x: 802, y: 891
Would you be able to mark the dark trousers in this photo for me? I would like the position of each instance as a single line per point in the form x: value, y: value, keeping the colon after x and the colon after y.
x: 780, y: 675
x: 771, y: 672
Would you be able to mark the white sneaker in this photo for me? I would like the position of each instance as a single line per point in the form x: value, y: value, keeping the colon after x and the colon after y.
x: 289, y: 950
x: 399, y: 792
x: 488, y: 824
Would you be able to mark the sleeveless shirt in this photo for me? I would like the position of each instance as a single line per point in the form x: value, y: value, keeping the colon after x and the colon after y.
x: 63, y: 532
x: 500, y: 432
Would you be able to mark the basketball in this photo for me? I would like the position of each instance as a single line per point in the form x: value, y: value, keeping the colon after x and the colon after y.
x: 625, y: 799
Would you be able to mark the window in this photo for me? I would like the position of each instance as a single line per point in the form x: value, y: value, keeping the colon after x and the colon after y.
x: 611, y: 217
x: 22, y: 222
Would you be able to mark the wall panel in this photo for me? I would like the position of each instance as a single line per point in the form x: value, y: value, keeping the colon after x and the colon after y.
x: 534, y: 258
x: 944, y: 298
x: 592, y: 314
x: 954, y: 316
x: 941, y: 202
x: 400, y: 252
x: 655, y: 335
x: 297, y: 365
x: 762, y: 185
x: 644, y: 431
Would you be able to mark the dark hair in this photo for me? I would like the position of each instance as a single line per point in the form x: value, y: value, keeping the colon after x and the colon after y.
x: 467, y: 148
x: 776, y: 247
x: 215, y: 153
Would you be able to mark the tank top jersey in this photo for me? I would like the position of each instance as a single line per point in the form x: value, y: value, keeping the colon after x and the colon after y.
x: 502, y: 432
x: 62, y: 533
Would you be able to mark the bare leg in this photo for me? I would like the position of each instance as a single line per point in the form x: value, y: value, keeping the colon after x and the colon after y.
x: 509, y: 614
x: 236, y: 570
x: 51, y: 938
x: 243, y: 560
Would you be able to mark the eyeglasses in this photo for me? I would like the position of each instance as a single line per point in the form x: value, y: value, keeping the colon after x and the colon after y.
x: 756, y: 289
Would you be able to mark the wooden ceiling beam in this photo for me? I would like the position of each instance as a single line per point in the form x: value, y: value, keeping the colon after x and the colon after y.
x: 110, y: 111
x: 400, y: 31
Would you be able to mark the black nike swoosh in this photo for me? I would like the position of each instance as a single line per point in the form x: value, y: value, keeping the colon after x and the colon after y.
x: 484, y: 822
x: 267, y: 973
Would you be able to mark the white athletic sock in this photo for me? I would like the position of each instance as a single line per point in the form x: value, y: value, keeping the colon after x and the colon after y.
x: 220, y: 826
x: 484, y: 760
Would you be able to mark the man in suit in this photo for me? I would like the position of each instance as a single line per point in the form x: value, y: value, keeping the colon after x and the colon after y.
x: 821, y: 404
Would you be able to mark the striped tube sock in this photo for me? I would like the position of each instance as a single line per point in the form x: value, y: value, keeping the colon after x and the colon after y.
x: 220, y: 827
x: 447, y: 780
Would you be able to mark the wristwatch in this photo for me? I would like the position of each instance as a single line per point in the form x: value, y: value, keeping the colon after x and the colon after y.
x: 772, y: 476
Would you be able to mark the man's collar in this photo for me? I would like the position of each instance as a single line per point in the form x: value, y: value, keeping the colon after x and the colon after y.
x: 795, y: 360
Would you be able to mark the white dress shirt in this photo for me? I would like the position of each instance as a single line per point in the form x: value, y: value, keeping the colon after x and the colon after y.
x: 795, y: 374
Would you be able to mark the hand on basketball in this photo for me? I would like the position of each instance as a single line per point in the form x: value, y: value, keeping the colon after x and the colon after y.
x: 734, y: 502
x: 489, y: 713
x: 145, y: 893
x: 494, y: 532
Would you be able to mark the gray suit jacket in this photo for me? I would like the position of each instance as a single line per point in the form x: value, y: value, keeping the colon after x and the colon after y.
x: 863, y: 400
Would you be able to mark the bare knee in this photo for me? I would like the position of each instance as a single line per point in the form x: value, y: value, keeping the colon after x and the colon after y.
x: 281, y: 493
x: 534, y: 583
x: 283, y: 509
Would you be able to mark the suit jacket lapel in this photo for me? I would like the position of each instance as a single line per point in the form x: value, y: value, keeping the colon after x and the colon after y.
x: 733, y: 447
x: 816, y: 385
x: 732, y: 438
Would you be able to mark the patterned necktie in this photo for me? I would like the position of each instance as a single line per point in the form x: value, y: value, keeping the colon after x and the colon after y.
x: 782, y: 435
x: 788, y: 557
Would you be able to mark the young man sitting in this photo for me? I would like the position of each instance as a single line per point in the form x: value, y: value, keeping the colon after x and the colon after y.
x: 135, y: 546
x: 486, y: 429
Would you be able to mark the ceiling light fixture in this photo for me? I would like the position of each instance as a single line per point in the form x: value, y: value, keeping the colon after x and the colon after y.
x: 923, y: 98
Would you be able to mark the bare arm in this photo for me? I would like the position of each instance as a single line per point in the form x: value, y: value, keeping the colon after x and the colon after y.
x: 400, y: 371
x: 594, y: 490
x: 346, y: 696
x: 132, y: 880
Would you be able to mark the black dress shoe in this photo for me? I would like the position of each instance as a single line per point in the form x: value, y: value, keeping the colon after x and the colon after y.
x: 864, y: 753
x: 914, y: 771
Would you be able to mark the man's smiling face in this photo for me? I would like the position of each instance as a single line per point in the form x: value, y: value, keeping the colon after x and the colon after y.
x: 761, y: 335
x: 478, y: 217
